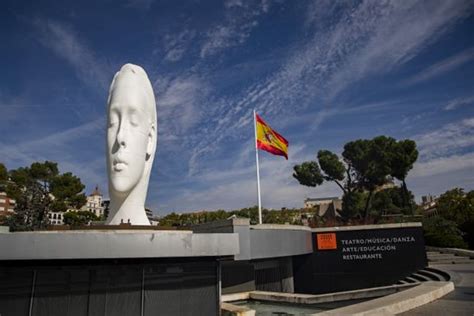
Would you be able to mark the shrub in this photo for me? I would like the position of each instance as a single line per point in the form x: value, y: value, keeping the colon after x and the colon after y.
x: 440, y: 232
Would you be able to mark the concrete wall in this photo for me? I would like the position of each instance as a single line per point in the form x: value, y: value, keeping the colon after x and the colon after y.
x: 115, y: 244
x: 274, y: 241
x: 264, y: 261
x: 262, y: 241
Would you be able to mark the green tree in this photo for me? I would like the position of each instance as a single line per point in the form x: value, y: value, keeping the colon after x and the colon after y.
x: 3, y: 172
x: 79, y: 218
x: 308, y: 174
x: 328, y: 168
x: 392, y: 201
x: 3, y: 177
x: 39, y: 189
x: 404, y: 155
x: 353, y: 204
x: 457, y: 206
x: 366, y: 165
x: 249, y: 212
x: 371, y: 161
x: 170, y: 220
x: 440, y: 232
x: 334, y: 170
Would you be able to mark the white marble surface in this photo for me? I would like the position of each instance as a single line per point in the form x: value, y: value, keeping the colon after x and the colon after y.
x: 131, y: 144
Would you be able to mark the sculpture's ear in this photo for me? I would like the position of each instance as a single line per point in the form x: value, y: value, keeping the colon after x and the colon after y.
x: 151, y: 141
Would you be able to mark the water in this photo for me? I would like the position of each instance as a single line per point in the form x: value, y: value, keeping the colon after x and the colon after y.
x: 263, y: 308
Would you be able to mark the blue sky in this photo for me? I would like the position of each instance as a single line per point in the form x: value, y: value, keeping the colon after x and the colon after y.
x: 321, y: 73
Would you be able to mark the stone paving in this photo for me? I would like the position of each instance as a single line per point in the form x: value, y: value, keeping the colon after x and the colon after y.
x: 458, y: 302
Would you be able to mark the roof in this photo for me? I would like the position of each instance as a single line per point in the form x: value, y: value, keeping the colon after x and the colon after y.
x: 96, y: 191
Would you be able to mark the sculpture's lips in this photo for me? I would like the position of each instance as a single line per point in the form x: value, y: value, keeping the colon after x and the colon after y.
x: 119, y: 165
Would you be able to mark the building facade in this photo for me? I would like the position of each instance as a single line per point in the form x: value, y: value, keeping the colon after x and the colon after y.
x: 324, y: 205
x: 56, y: 218
x: 7, y: 205
x: 94, y: 203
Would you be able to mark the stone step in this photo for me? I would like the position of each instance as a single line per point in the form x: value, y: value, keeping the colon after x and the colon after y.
x: 431, y: 275
x: 443, y: 257
x: 440, y: 255
x: 453, y: 261
x: 447, y: 256
x: 409, y: 279
x: 441, y: 273
x: 420, y: 277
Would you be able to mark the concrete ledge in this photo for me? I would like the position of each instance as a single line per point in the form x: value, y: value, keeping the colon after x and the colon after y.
x: 221, y: 226
x: 114, y: 245
x: 294, y: 298
x: 242, y: 296
x: 365, y: 227
x: 454, y: 251
x: 397, y: 303
x: 234, y: 310
x: 4, y: 229
x: 280, y: 226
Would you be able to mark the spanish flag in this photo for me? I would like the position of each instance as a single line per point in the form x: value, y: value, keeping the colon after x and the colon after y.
x: 269, y: 140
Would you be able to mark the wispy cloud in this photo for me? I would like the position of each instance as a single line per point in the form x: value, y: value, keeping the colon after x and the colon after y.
x: 176, y: 45
x: 442, y: 67
x: 240, y: 19
x: 459, y: 102
x: 365, y: 39
x: 443, y: 165
x: 66, y: 136
x: 447, y: 139
x: 62, y: 148
x: 54, y: 146
x: 66, y: 44
x: 208, y: 85
x: 386, y: 35
x: 13, y: 106
x: 180, y: 101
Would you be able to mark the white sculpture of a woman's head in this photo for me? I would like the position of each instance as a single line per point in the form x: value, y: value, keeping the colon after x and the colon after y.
x: 131, y: 144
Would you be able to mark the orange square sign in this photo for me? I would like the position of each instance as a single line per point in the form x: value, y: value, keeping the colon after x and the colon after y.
x: 326, y: 241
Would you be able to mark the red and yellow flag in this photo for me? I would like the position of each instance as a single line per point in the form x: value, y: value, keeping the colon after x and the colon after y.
x: 269, y: 140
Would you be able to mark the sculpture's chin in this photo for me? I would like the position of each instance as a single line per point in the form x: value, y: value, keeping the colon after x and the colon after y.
x: 122, y: 186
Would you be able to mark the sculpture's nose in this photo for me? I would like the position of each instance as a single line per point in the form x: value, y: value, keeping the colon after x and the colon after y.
x: 121, y: 136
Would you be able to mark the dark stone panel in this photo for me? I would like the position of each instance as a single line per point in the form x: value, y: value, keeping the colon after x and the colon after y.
x: 199, y: 289
x: 15, y: 291
x: 237, y: 276
x: 274, y: 275
x: 163, y: 290
x: 108, y: 288
x: 181, y: 289
x: 123, y: 296
x: 60, y: 292
x: 359, y: 259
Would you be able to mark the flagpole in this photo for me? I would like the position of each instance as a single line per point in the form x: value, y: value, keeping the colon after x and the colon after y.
x: 258, y: 170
